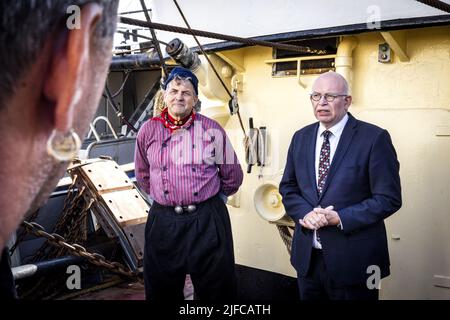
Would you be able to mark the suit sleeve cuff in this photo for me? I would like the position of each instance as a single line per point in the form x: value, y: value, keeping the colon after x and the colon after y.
x: 340, y: 225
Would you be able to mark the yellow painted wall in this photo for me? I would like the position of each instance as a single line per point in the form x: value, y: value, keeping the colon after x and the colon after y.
x: 411, y: 100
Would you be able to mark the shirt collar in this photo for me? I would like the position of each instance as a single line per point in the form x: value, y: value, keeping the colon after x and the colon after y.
x: 174, y: 121
x: 337, y: 129
x: 166, y: 120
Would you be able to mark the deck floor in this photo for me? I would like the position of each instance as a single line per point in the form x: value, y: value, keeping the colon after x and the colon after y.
x: 130, y: 291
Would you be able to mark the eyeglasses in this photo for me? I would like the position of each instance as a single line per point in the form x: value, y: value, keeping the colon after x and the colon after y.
x: 327, y: 96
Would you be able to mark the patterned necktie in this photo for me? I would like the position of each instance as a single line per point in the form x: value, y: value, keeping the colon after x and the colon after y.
x: 324, y: 166
x: 324, y: 162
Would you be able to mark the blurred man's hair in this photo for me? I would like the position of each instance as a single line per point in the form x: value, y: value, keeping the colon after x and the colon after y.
x: 26, y: 24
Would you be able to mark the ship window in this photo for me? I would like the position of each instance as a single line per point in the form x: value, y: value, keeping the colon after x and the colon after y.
x: 290, y: 59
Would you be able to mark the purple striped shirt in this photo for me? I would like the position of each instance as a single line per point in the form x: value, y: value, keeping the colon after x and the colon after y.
x: 188, y: 166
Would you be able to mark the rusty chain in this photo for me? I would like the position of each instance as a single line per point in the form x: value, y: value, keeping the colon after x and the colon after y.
x: 63, y: 222
x: 69, y: 226
x: 70, y: 192
x: 21, y: 237
x: 22, y: 234
x: 74, y: 232
x: 76, y: 249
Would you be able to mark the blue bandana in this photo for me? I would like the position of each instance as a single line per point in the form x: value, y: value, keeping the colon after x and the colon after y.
x: 182, y: 73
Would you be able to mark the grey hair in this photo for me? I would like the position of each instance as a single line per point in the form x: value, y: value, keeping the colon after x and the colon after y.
x: 25, y: 25
x: 345, y: 86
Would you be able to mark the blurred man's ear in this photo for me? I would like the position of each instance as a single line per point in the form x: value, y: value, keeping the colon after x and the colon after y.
x: 348, y: 101
x: 68, y: 67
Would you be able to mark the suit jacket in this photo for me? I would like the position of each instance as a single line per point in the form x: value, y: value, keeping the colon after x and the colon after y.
x: 363, y: 185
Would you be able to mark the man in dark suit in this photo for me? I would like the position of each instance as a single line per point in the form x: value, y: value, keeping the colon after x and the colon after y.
x: 340, y: 182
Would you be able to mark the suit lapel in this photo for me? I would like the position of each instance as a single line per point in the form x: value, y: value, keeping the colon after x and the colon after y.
x: 344, y: 143
x: 311, y: 153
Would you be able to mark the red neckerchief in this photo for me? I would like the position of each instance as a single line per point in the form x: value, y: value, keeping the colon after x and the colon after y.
x: 172, y: 124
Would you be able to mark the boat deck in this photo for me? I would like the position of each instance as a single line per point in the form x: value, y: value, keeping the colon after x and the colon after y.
x: 128, y: 291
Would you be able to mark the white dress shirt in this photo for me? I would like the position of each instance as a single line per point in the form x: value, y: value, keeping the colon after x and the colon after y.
x: 336, y: 132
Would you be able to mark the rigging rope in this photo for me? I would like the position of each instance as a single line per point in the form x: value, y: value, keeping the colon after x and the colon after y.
x: 436, y: 4
x: 213, y: 68
x: 206, y: 34
x: 201, y: 49
x: 117, y: 111
x: 286, y: 236
x: 141, y: 36
x: 155, y: 41
x: 115, y: 94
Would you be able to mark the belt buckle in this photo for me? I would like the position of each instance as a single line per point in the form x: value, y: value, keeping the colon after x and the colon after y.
x: 189, y: 208
x: 178, y: 209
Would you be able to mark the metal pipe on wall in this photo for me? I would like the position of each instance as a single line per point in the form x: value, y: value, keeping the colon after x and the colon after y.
x: 344, y: 59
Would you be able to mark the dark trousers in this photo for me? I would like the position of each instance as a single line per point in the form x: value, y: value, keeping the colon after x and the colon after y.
x: 198, y: 243
x: 7, y: 285
x: 318, y: 285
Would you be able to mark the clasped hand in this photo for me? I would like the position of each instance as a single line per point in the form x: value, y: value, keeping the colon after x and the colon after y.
x: 320, y: 217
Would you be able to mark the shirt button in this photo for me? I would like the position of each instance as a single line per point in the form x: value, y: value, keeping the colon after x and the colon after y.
x: 166, y: 192
x: 195, y: 193
x: 164, y: 168
x: 193, y: 170
x: 164, y: 145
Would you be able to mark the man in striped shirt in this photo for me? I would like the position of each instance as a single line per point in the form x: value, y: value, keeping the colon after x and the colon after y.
x: 187, y: 166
